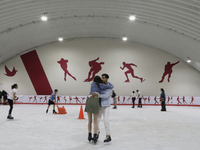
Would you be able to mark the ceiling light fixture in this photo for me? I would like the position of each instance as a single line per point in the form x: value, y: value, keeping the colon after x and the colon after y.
x: 124, y: 38
x: 44, y: 17
x: 132, y: 17
x: 60, y: 39
x: 188, y: 60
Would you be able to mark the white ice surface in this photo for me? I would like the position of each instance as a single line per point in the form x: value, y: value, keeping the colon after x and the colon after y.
x: 131, y: 129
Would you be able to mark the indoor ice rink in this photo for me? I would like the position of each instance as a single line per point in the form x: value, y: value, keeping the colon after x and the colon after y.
x: 140, y: 129
x: 149, y: 46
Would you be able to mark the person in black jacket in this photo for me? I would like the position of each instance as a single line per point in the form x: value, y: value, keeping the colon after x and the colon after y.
x: 114, y: 99
x: 4, y: 95
x: 162, y: 98
x: 0, y: 97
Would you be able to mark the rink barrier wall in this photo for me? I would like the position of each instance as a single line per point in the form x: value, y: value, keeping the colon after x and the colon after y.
x: 111, y: 104
x: 121, y: 100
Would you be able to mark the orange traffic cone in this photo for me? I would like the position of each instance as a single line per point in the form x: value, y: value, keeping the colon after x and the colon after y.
x: 81, y: 115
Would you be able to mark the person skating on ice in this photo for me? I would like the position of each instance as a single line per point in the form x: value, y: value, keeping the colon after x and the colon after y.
x: 114, y: 99
x: 92, y: 106
x: 163, y: 99
x: 105, y: 107
x: 11, y: 99
x: 52, y: 101
x: 139, y: 96
x: 133, y: 96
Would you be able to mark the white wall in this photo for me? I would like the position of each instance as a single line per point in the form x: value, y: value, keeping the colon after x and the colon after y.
x: 150, y: 65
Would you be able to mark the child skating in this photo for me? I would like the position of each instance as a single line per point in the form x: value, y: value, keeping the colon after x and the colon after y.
x: 52, y: 101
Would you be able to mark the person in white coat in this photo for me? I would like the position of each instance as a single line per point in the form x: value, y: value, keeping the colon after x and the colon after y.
x: 139, y: 96
x: 11, y: 98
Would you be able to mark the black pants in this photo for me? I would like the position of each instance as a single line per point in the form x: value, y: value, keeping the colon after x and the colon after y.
x: 133, y: 100
x: 140, y: 102
x: 11, y: 106
x: 163, y: 108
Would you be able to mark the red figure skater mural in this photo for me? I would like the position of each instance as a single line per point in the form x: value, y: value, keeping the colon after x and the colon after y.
x: 45, y: 99
x: 65, y: 99
x: 77, y: 100
x: 35, y: 99
x: 155, y: 99
x: 144, y: 98
x: 118, y: 99
x: 83, y: 98
x: 95, y: 68
x: 130, y: 71
x: 124, y: 98
x: 70, y: 99
x: 168, y: 71
x: 192, y: 100
x: 63, y: 64
x: 184, y: 101
x: 58, y: 99
x: 149, y: 99
x: 178, y: 100
x: 168, y: 99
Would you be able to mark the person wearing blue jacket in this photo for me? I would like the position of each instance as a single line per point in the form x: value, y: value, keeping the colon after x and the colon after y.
x: 52, y: 101
x: 92, y: 106
x: 104, y: 110
x: 162, y: 98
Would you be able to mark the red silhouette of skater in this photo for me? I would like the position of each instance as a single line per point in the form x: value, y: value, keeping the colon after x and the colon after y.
x: 168, y: 71
x: 65, y: 99
x: 144, y: 99
x: 149, y: 99
x: 16, y: 98
x: 178, y: 99
x: 124, y: 98
x: 77, y: 100
x: 184, y: 102
x: 30, y: 99
x: 168, y: 99
x: 95, y: 68
x: 155, y: 99
x: 83, y: 98
x: 35, y: 99
x: 41, y: 98
x: 70, y: 99
x: 118, y: 99
x: 131, y: 71
x: 58, y: 99
x: 129, y: 98
x: 63, y: 64
x: 45, y: 99
x: 192, y: 100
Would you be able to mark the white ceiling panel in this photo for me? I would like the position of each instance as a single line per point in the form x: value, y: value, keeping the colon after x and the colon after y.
x: 169, y: 25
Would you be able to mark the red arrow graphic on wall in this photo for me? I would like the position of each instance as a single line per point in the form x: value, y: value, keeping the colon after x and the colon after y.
x: 10, y: 73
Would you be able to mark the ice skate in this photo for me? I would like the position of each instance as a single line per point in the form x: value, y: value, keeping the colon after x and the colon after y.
x: 95, y: 138
x: 89, y: 137
x: 10, y: 117
x: 108, y: 138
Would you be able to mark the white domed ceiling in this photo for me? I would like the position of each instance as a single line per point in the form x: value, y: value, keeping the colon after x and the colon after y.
x: 170, y: 25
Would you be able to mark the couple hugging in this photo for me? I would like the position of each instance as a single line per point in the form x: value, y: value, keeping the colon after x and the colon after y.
x: 98, y: 104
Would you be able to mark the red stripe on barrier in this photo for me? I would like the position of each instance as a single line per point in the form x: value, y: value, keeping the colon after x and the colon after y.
x: 36, y: 73
x: 111, y: 104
